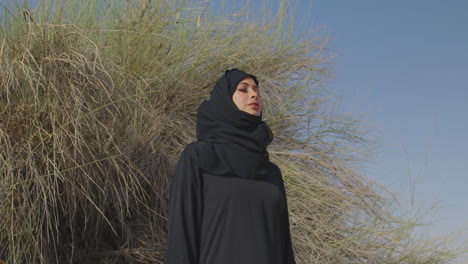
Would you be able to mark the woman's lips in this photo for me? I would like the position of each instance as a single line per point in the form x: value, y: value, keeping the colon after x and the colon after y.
x: 254, y: 105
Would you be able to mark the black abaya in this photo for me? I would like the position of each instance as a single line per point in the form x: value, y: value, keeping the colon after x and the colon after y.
x: 224, y: 220
x: 227, y: 200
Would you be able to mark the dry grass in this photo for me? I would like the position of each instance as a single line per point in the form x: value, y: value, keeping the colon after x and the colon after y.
x: 97, y: 101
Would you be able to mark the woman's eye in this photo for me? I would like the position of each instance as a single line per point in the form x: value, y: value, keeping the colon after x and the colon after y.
x: 243, y: 90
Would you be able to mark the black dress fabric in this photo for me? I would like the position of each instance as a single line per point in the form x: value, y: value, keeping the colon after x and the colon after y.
x: 227, y: 201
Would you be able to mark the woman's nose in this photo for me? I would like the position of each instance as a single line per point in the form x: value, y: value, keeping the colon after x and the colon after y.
x: 254, y: 94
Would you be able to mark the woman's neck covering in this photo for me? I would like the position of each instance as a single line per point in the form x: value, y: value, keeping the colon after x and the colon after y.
x: 236, y: 141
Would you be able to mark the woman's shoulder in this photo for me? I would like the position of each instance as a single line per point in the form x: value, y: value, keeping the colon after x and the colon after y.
x: 273, y: 168
x: 193, y: 150
x: 194, y: 147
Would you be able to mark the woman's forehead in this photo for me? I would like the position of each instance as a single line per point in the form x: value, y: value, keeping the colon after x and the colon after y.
x: 248, y: 80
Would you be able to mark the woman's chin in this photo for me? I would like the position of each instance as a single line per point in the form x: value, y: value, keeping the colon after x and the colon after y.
x: 251, y: 111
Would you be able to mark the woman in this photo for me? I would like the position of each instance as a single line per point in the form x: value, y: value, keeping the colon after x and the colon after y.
x: 227, y: 200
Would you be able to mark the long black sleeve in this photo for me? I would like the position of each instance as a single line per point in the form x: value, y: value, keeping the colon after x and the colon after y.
x: 185, y: 211
x: 290, y: 259
x: 289, y: 249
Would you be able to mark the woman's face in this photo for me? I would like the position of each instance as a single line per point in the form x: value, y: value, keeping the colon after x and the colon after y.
x: 247, y: 97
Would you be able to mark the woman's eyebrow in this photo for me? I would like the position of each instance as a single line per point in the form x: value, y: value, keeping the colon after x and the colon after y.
x: 254, y: 86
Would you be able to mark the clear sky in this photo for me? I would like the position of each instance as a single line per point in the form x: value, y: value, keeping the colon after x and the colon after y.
x: 405, y: 65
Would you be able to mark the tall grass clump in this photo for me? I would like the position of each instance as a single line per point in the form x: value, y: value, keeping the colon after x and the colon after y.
x: 98, y: 98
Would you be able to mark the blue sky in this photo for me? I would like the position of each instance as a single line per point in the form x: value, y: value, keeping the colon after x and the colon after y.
x: 405, y: 65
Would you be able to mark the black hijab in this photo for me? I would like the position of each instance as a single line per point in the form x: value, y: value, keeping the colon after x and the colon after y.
x: 235, y: 141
